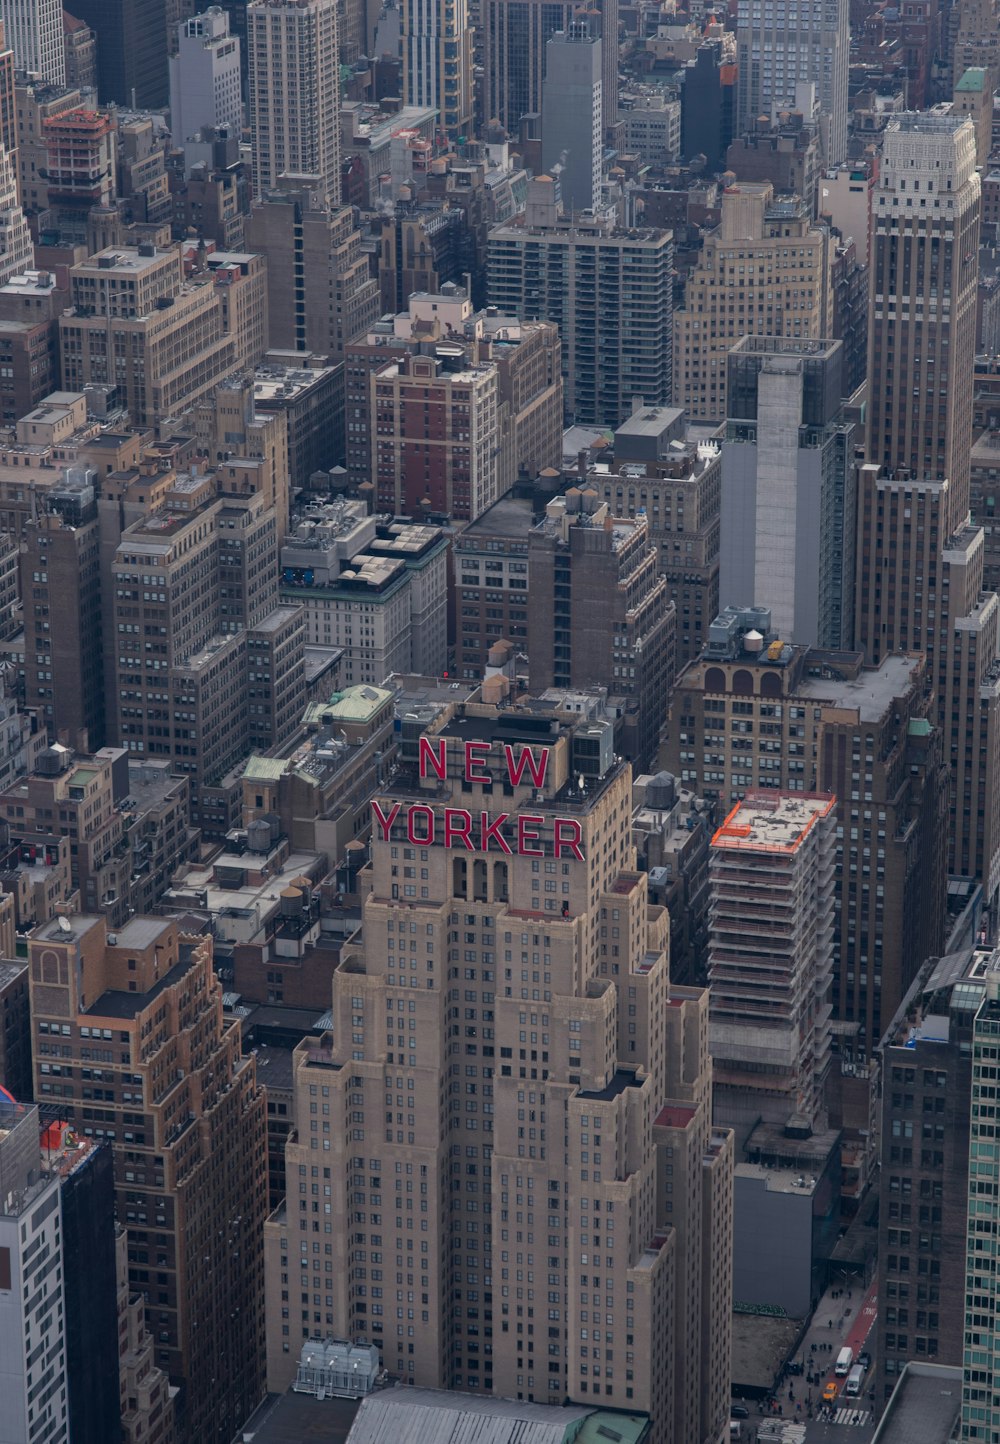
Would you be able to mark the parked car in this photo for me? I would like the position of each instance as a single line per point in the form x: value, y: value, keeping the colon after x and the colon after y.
x: 865, y: 1359
x: 739, y: 1411
x: 795, y: 1367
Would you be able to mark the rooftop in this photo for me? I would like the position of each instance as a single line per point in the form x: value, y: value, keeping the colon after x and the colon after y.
x: 872, y: 693
x: 432, y: 1416
x: 924, y: 1407
x: 116, y: 1004
x: 772, y: 822
x: 510, y: 516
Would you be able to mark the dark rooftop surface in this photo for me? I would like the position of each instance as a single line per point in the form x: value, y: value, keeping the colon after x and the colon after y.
x: 299, y: 1419
x: 114, y: 1004
x: 619, y: 1082
x: 510, y: 516
x: 924, y: 1406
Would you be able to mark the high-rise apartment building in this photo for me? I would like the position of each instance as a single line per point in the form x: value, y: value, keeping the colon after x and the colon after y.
x: 600, y: 614
x: 568, y: 1107
x: 437, y: 60
x: 981, y: 1355
x: 34, y: 31
x: 294, y: 92
x: 205, y: 82
x: 186, y: 1120
x: 789, y: 486
x: 757, y: 712
x: 572, y: 115
x: 607, y: 288
x: 920, y: 564
x: 926, y: 1091
x: 320, y: 290
x: 790, y: 41
x: 526, y: 355
x: 765, y: 271
x: 515, y: 36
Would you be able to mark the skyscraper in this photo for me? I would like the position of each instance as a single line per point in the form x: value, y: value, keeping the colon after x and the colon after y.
x: 294, y: 92
x: 567, y: 1109
x: 920, y: 564
x: 205, y: 82
x: 437, y: 60
x: 131, y: 50
x: 572, y: 120
x: 981, y: 1360
x: 34, y: 31
x: 788, y: 489
x: 790, y: 40
x: 516, y: 33
x: 186, y: 1119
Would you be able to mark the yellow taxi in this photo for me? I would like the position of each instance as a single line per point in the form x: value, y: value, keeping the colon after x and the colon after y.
x: 830, y: 1392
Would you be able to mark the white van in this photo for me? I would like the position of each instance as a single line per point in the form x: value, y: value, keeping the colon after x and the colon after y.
x: 855, y: 1379
x: 844, y: 1361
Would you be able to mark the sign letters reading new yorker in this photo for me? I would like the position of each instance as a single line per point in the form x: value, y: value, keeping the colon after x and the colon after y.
x: 480, y: 831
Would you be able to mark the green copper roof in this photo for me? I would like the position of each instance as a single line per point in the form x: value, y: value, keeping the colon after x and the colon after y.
x: 973, y: 79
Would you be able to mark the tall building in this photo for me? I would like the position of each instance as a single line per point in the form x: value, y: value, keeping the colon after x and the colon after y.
x: 765, y: 271
x: 34, y: 31
x: 770, y: 955
x: 975, y: 38
x: 572, y: 115
x: 186, y: 1120
x: 320, y: 290
x: 16, y: 250
x: 981, y: 1354
x: 920, y: 564
x: 205, y: 81
x: 515, y: 36
x: 790, y: 41
x: 600, y: 613
x: 788, y: 509
x: 608, y: 289
x: 294, y: 92
x: 757, y: 712
x: 437, y: 60
x: 926, y: 1091
x: 550, y: 905
x: 32, y: 1315
x: 131, y: 51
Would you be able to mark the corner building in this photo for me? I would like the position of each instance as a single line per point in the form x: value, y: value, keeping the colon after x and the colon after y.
x: 527, y: 1194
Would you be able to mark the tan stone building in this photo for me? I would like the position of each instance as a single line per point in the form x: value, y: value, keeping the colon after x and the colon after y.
x: 764, y: 272
x: 145, y: 1059
x: 503, y: 1171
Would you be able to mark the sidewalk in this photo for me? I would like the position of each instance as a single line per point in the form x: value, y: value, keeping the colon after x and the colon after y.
x: 844, y: 1315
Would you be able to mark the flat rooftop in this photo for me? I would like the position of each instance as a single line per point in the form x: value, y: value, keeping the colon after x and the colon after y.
x: 924, y: 1407
x: 779, y: 823
x: 116, y: 1004
x: 871, y: 694
x: 510, y: 516
x: 778, y: 1180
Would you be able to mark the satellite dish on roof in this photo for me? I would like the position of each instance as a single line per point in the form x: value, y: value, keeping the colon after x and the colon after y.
x: 64, y: 924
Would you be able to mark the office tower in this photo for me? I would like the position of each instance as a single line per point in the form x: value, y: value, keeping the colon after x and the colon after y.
x: 321, y: 293
x: 659, y: 469
x: 607, y: 288
x: 919, y: 583
x: 926, y: 1082
x: 639, y: 1082
x: 980, y: 1404
x: 975, y: 39
x: 205, y: 81
x: 190, y: 1163
x: 756, y: 712
x: 294, y: 93
x: 600, y: 613
x: 572, y: 128
x: 770, y: 969
x: 131, y: 51
x: 8, y: 104
x: 61, y: 586
x: 783, y: 289
x: 790, y: 41
x: 181, y: 337
x: 788, y: 508
x: 708, y: 101
x: 15, y: 1025
x: 437, y: 60
x: 32, y: 1319
x: 416, y: 452
x: 34, y: 32
x: 516, y: 34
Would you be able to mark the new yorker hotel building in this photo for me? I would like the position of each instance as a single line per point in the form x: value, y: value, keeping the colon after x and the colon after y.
x: 526, y: 1195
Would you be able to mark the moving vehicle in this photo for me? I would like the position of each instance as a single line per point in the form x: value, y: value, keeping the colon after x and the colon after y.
x: 830, y: 1393
x: 855, y: 1380
x: 844, y: 1361
x: 865, y: 1359
x: 739, y: 1411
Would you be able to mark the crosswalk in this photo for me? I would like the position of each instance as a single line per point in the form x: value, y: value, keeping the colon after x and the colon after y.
x: 856, y: 1417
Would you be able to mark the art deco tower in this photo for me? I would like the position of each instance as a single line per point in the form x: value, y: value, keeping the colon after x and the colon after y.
x: 524, y: 1195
